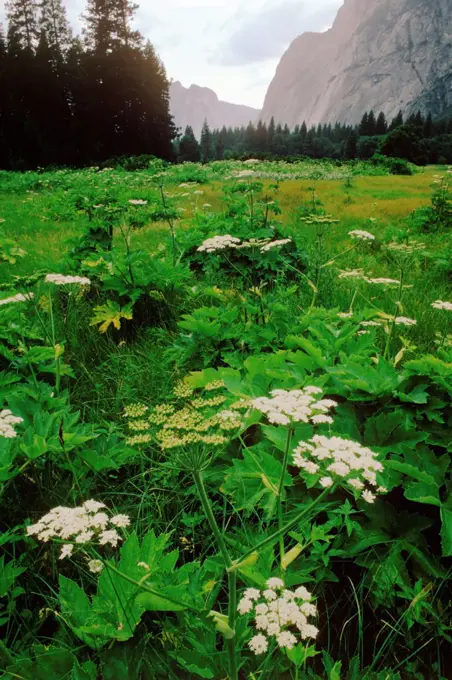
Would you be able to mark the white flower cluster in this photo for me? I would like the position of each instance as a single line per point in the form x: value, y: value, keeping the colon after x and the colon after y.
x: 7, y: 420
x: 295, y: 406
x: 441, y: 304
x: 333, y: 457
x: 361, y: 235
x: 85, y: 524
x: 20, y: 297
x: 137, y: 201
x: 280, y: 614
x: 61, y: 280
x: 383, y: 282
x: 406, y: 248
x: 404, y: 321
x: 351, y: 274
x: 275, y: 244
x: 211, y: 245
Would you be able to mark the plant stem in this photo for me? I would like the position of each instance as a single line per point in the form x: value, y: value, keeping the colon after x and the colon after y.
x: 232, y: 577
x: 280, y: 490
x: 393, y: 324
x: 287, y: 527
x: 170, y: 223
x: 57, y: 356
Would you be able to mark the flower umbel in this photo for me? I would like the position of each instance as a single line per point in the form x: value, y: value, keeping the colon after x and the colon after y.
x: 337, y: 459
x: 280, y: 614
x: 85, y: 524
x: 7, y: 420
x: 295, y: 406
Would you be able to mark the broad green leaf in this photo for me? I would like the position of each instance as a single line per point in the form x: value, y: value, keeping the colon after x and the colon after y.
x: 110, y: 314
x: 88, y: 671
x: 422, y: 492
x: 45, y: 663
x: 253, y: 480
x: 8, y: 574
x: 446, y: 528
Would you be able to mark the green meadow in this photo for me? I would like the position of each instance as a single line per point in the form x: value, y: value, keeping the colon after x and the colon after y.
x: 226, y: 435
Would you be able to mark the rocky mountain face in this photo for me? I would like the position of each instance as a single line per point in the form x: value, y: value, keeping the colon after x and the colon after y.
x: 193, y: 105
x: 384, y: 55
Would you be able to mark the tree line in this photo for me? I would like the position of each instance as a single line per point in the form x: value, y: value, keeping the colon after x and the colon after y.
x: 69, y: 100
x: 418, y: 139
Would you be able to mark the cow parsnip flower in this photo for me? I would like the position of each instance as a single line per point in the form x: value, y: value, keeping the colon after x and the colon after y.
x: 279, y: 614
x: 275, y: 244
x: 7, y: 422
x: 285, y: 407
x: 211, y: 245
x: 19, y: 297
x: 88, y: 523
x: 404, y: 321
x: 340, y: 460
x: 62, y: 280
x: 361, y: 235
x: 442, y: 305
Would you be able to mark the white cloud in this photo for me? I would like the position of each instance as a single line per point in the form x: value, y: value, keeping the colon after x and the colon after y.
x: 231, y: 46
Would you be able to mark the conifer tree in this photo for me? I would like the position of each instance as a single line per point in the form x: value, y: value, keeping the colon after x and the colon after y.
x: 363, y: 125
x: 53, y: 21
x: 397, y: 121
x: 22, y: 18
x: 189, y: 147
x: 270, y: 135
x: 371, y: 124
x: 206, y: 143
x: 381, y: 126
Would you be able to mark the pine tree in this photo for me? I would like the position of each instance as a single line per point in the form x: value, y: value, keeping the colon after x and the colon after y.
x: 397, y: 121
x: 250, y: 138
x: 371, y: 124
x: 53, y: 21
x: 206, y: 143
x: 270, y: 135
x: 22, y: 18
x: 381, y: 127
x: 428, y: 126
x: 363, y: 125
x: 189, y: 147
x: 351, y: 146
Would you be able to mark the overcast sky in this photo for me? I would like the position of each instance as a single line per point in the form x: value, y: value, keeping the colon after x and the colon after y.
x: 231, y: 46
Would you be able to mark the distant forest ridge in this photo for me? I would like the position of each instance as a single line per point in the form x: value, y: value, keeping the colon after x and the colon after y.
x: 418, y: 139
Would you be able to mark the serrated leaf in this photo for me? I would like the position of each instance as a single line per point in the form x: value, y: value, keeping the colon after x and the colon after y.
x: 253, y: 480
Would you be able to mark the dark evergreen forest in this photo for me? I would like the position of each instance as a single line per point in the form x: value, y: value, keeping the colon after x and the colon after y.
x: 68, y: 100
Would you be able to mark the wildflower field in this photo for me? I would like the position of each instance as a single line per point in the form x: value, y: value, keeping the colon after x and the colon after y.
x: 226, y: 425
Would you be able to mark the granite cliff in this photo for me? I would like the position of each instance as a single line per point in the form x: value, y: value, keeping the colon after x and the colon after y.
x: 384, y: 55
x: 193, y: 105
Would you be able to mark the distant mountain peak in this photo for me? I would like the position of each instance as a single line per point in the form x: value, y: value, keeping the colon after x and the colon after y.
x: 195, y: 104
x: 385, y: 55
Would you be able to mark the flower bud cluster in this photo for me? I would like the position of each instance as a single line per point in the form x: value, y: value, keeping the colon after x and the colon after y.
x: 334, y: 458
x: 295, y: 406
x: 279, y: 614
x: 194, y: 423
x: 86, y: 524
